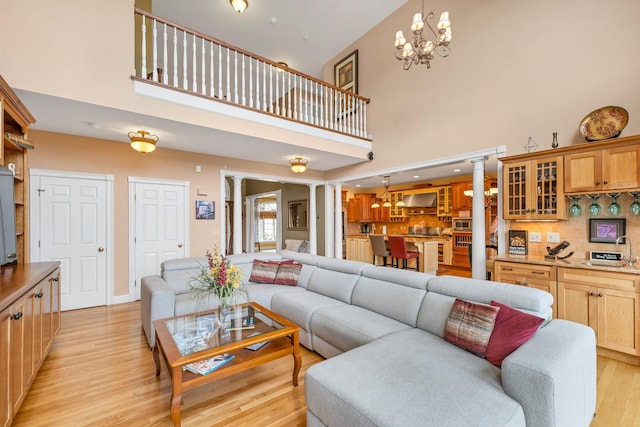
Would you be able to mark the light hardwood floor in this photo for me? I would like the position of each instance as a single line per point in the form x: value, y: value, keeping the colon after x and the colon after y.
x: 100, y: 372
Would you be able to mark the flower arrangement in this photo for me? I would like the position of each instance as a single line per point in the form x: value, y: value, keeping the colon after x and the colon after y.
x: 219, y: 278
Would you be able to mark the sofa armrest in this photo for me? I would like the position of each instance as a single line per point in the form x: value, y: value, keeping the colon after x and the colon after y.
x: 553, y: 376
x: 157, y: 301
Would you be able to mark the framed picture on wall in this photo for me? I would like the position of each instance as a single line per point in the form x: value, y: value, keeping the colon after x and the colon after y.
x: 607, y: 230
x: 205, y: 209
x: 518, y: 242
x: 346, y: 72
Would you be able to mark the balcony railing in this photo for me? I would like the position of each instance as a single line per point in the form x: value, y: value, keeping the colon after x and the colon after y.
x: 184, y: 59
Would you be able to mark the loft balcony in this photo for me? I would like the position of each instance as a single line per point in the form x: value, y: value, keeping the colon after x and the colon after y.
x: 183, y: 66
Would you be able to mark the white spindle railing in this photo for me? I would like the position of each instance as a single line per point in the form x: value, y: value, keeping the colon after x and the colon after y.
x: 229, y: 74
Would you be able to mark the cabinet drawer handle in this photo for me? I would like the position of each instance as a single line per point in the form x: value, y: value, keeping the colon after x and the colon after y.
x: 17, y: 316
x: 55, y: 279
x: 593, y: 294
x: 605, y: 182
x: 597, y: 182
x: 600, y: 295
x: 507, y: 268
x: 39, y: 295
x: 538, y: 272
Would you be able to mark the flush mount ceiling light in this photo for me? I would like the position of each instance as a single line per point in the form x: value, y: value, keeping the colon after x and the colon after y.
x: 282, y: 66
x: 142, y: 141
x: 420, y: 50
x: 298, y: 165
x: 239, y: 5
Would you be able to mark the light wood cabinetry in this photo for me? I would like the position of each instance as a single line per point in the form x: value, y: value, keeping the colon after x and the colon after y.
x: 29, y: 320
x: 602, y: 170
x: 460, y: 250
x: 396, y: 212
x: 541, y: 277
x: 608, y: 302
x: 359, y: 249
x: 533, y: 189
x: 15, y: 121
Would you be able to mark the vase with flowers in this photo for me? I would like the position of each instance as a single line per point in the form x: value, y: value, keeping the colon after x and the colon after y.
x: 219, y: 278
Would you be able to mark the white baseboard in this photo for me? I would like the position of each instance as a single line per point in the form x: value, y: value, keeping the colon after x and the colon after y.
x: 120, y: 299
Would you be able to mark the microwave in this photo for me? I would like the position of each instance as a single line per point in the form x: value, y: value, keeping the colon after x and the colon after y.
x: 462, y: 224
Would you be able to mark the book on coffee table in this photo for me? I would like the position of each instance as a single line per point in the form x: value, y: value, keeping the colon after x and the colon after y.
x: 256, y: 346
x: 207, y: 366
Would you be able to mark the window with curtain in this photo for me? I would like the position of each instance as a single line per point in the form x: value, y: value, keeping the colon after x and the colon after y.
x: 267, y: 220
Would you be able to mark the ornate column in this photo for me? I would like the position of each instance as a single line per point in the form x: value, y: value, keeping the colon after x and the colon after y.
x: 478, y: 239
x: 313, y: 243
x: 237, y: 214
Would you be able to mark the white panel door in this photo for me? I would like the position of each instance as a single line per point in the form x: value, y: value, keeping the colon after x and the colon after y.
x: 73, y: 231
x: 159, y: 227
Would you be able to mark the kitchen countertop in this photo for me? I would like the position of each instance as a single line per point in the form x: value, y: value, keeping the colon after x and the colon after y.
x: 408, y: 236
x: 570, y: 262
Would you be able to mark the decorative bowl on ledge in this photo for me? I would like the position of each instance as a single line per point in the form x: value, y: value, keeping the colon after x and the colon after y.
x: 604, y: 123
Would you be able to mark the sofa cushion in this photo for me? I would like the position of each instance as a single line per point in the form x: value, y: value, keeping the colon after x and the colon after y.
x: 512, y: 329
x: 288, y: 273
x: 263, y: 293
x: 469, y: 326
x: 409, y: 378
x: 264, y: 271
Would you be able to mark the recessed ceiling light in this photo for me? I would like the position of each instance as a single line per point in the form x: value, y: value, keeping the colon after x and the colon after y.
x: 457, y: 170
x: 274, y: 20
x: 416, y: 176
x: 357, y: 185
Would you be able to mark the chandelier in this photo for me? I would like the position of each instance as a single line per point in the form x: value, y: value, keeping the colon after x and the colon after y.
x: 142, y: 141
x: 385, y: 196
x: 298, y: 165
x: 420, y: 50
x: 239, y: 5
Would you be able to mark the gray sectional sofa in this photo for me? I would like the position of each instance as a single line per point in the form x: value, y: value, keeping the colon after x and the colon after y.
x: 381, y: 330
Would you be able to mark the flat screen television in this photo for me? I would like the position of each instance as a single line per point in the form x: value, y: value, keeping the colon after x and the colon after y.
x: 7, y: 218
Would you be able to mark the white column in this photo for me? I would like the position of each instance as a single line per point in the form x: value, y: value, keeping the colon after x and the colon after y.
x: 337, y: 228
x: 329, y: 202
x: 237, y: 214
x: 222, y: 215
x: 313, y: 238
x: 479, y: 253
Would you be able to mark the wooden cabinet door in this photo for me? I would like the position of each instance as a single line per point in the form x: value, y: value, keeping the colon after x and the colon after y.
x: 576, y: 303
x: 618, y: 320
x: 55, y: 305
x: 354, y: 209
x: 460, y: 202
x: 583, y: 171
x: 516, y: 186
x: 620, y: 168
x: 5, y: 348
x: 17, y: 355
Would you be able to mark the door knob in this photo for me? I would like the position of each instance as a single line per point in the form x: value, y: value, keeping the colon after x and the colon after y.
x: 179, y: 245
x: 100, y: 249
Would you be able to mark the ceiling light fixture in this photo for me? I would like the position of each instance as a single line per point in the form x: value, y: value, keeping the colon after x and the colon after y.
x: 420, y: 50
x: 298, y: 165
x: 282, y: 66
x: 142, y: 141
x: 239, y: 5
x: 385, y: 196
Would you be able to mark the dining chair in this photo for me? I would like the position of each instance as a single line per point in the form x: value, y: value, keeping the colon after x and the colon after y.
x: 379, y: 247
x: 399, y: 251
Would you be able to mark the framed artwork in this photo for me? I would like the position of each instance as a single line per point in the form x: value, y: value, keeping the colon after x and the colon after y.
x: 518, y: 242
x: 607, y: 230
x: 205, y: 209
x: 346, y: 73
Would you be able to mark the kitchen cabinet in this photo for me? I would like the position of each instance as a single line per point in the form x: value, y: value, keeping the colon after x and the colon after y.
x: 610, y: 169
x: 445, y: 202
x: 533, y: 189
x: 541, y: 277
x: 460, y: 202
x: 29, y: 321
x: 608, y: 302
x: 13, y: 150
x: 460, y: 251
x: 359, y: 208
x: 396, y: 212
x: 359, y: 249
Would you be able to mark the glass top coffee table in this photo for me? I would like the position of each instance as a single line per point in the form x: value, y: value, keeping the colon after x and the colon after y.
x: 191, y: 338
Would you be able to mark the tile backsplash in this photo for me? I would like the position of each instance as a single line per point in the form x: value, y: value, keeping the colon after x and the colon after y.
x: 576, y: 229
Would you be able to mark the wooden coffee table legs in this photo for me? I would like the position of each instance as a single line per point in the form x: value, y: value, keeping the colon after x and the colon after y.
x: 176, y: 395
x: 297, y: 359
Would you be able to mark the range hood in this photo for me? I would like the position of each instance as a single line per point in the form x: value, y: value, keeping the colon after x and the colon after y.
x: 423, y: 200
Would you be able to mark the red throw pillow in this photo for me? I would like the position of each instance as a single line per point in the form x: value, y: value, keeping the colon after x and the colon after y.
x: 469, y: 326
x: 288, y: 273
x: 512, y: 329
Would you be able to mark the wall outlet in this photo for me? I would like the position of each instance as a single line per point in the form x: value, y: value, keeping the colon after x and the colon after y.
x: 535, y: 236
x: 553, y: 237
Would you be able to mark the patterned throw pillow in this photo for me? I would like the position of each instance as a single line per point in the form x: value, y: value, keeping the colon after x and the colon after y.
x: 469, y: 326
x: 288, y: 274
x: 512, y: 329
x: 264, y: 271
x: 304, y: 247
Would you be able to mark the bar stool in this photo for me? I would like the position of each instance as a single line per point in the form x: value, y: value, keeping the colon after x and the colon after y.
x: 398, y: 246
x: 379, y: 247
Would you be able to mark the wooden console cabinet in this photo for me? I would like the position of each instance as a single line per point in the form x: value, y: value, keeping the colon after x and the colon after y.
x: 29, y: 320
x: 530, y: 275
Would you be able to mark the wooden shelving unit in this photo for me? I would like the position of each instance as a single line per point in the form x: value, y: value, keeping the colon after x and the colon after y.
x: 14, y: 146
